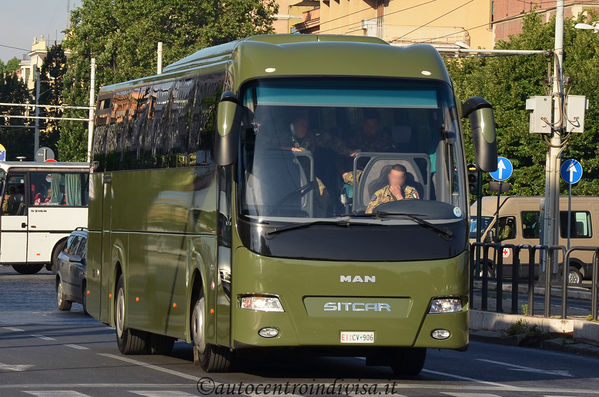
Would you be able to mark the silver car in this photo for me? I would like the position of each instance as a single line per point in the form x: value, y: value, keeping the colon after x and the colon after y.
x: 70, y: 271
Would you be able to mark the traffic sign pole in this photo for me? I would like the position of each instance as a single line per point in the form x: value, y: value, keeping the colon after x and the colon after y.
x: 571, y: 172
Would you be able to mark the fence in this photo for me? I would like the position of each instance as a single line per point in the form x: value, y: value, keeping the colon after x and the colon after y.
x: 480, y: 270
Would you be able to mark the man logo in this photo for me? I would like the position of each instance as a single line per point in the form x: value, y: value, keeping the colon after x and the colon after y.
x: 357, y: 279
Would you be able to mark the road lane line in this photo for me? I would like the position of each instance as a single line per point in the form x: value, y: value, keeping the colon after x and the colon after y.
x: 57, y: 393
x: 514, y: 367
x: 502, y: 385
x: 42, y: 337
x: 161, y: 393
x: 151, y: 366
x: 78, y: 347
x: 15, y: 368
x: 14, y: 329
x: 470, y: 394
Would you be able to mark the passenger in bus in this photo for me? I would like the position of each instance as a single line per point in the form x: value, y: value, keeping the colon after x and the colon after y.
x: 396, y: 189
x: 370, y: 138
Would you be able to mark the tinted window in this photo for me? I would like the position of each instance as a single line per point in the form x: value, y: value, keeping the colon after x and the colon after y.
x: 580, y: 224
x: 167, y: 124
x: 74, y: 244
x: 531, y: 224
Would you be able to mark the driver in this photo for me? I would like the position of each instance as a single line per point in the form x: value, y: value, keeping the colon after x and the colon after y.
x: 396, y: 189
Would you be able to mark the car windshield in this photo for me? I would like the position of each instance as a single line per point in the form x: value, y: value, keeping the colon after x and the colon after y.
x: 484, y: 221
x: 324, y: 148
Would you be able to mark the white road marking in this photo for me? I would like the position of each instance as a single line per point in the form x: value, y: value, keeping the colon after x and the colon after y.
x: 42, y: 337
x: 513, y: 367
x: 14, y: 329
x: 78, y: 347
x: 57, y: 393
x: 470, y: 394
x: 502, y: 385
x: 15, y: 368
x: 151, y: 366
x: 161, y: 393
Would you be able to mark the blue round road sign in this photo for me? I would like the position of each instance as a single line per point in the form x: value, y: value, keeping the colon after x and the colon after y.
x: 504, y: 169
x: 571, y: 171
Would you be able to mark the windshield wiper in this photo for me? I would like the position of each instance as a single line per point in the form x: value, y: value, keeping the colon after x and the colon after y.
x: 340, y: 221
x: 445, y: 233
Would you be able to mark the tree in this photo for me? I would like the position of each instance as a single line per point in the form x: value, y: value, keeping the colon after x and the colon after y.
x: 508, y: 81
x: 14, y: 135
x: 51, y: 85
x: 12, y: 65
x: 122, y: 36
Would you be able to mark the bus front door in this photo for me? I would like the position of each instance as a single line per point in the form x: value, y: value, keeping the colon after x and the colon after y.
x: 13, y: 222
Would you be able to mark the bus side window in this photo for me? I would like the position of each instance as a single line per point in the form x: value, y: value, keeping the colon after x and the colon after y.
x: 13, y: 202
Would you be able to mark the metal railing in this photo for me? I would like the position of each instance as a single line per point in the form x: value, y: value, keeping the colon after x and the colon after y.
x: 548, y: 255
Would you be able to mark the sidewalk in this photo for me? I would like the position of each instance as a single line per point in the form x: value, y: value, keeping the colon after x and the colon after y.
x: 573, y: 335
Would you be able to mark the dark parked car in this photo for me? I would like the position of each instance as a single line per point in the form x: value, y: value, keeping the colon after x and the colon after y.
x: 70, y: 271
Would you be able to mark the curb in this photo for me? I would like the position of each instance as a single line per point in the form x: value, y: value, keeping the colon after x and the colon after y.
x: 492, y: 327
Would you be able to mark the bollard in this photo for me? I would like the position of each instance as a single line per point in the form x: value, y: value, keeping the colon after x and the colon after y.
x: 515, y: 277
x: 499, y: 277
x: 531, y: 279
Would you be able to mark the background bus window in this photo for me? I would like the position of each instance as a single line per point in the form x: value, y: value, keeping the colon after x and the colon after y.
x: 580, y: 224
x: 64, y: 189
x: 13, y: 202
x: 530, y: 224
x: 507, y: 228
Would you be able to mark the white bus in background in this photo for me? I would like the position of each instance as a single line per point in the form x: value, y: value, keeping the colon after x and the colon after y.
x: 41, y: 204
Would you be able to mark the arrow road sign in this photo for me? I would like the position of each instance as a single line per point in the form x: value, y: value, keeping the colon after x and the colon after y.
x: 504, y: 169
x: 571, y: 171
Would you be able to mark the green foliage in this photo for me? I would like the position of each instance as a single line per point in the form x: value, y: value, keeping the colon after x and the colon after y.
x: 122, y: 35
x: 51, y: 84
x: 507, y: 82
x: 12, y: 65
x: 17, y: 141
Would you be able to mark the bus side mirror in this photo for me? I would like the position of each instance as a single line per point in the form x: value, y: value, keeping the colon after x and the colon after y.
x: 227, y: 120
x: 484, y: 138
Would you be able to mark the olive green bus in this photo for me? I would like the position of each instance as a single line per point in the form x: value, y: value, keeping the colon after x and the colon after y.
x: 233, y: 202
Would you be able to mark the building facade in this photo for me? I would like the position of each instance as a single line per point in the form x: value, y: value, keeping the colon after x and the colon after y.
x: 442, y: 23
x: 33, y: 61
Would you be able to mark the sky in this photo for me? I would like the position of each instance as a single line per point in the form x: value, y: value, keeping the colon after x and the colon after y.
x: 22, y: 20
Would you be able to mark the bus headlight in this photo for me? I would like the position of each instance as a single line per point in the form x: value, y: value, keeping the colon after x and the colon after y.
x: 261, y: 303
x: 445, y: 305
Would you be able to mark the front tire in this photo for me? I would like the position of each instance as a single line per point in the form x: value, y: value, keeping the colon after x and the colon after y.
x: 53, y: 266
x: 408, y: 362
x: 63, y: 304
x: 84, y: 299
x: 28, y: 269
x: 574, y: 276
x: 130, y: 341
x: 210, y: 357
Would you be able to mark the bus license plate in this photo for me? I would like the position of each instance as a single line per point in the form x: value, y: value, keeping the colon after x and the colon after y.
x: 357, y: 337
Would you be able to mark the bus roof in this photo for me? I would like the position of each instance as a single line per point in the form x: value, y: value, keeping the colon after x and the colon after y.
x: 31, y: 165
x: 285, y: 55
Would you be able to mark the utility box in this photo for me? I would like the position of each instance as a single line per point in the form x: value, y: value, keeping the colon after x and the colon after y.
x: 575, y: 109
x: 540, y: 117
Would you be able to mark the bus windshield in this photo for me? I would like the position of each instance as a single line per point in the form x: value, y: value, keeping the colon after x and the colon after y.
x: 324, y: 148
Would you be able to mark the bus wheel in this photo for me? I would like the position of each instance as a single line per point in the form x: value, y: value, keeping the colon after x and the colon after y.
x: 28, y: 269
x: 574, y: 275
x: 210, y: 357
x: 63, y: 304
x: 408, y: 362
x: 160, y: 344
x: 130, y: 341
